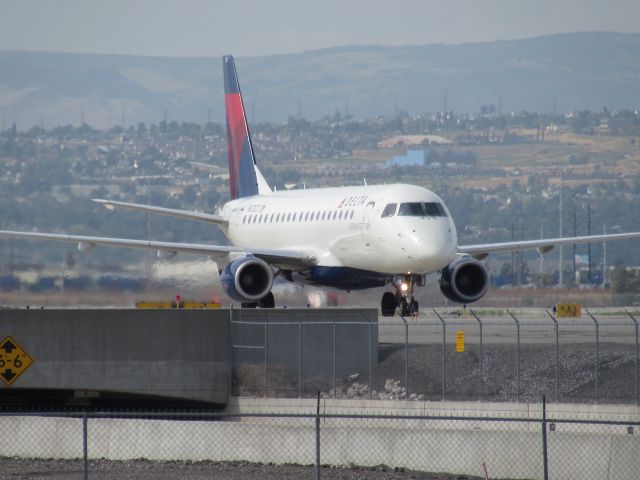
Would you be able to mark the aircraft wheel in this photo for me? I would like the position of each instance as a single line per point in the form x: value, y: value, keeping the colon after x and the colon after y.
x: 267, y: 301
x: 248, y: 304
x: 388, y: 304
x: 414, y: 308
x: 404, y: 307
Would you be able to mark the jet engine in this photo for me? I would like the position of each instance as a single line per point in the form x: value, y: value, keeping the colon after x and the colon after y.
x: 465, y: 280
x: 247, y: 279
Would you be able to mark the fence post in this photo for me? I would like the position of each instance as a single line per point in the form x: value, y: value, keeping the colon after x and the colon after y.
x: 318, y: 437
x: 85, y: 449
x: 299, y: 359
x: 370, y: 364
x: 555, y: 323
x: 481, y: 351
x: 444, y: 356
x: 517, y: 354
x: 545, y: 458
x: 231, y: 351
x: 406, y: 358
x: 635, y: 321
x: 266, y: 364
x: 597, y: 347
x: 334, y: 359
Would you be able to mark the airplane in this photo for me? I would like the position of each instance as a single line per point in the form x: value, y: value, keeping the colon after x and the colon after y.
x: 348, y: 238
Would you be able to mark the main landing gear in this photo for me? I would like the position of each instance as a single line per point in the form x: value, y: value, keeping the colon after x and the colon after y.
x: 402, y: 299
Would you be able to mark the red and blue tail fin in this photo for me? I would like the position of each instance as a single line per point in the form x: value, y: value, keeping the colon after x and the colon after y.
x: 243, y: 181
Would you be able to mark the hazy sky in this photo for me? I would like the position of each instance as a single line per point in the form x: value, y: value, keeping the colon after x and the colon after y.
x: 253, y: 27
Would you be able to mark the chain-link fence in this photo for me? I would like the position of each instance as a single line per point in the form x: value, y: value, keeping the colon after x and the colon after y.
x: 507, y: 356
x: 262, y: 446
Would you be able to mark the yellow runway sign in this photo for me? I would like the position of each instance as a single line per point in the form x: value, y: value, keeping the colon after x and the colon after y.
x: 568, y: 310
x: 13, y: 360
x: 460, y: 341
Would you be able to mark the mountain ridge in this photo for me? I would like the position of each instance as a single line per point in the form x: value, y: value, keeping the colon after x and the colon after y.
x: 584, y: 70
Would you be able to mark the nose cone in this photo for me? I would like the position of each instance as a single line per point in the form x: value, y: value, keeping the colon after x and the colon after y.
x: 435, y: 245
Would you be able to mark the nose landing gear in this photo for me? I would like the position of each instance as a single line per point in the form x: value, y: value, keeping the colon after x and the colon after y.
x: 402, y: 299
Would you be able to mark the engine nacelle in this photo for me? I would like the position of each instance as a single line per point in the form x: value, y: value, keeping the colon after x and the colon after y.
x: 464, y: 280
x: 247, y: 279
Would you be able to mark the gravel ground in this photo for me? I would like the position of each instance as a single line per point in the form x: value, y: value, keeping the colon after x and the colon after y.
x: 577, y: 379
x: 146, y: 470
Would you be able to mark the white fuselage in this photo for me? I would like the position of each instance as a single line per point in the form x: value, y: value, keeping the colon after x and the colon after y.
x: 345, y: 227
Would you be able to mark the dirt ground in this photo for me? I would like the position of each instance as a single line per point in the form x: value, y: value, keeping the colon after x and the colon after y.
x: 147, y: 470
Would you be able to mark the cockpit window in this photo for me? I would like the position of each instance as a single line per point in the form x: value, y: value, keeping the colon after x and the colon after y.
x: 422, y: 209
x: 434, y: 209
x: 389, y: 210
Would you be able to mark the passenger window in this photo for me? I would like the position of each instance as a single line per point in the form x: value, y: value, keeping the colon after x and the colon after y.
x: 389, y: 210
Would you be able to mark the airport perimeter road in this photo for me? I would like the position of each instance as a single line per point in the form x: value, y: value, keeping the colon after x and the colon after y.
x: 501, y: 328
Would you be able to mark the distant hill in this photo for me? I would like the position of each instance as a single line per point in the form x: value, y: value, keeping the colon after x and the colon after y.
x: 578, y: 70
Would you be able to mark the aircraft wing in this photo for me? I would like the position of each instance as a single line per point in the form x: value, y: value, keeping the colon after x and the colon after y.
x: 480, y: 251
x: 200, y: 217
x: 282, y: 258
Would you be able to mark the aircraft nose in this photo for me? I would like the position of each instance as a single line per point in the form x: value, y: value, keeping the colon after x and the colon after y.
x: 437, y: 245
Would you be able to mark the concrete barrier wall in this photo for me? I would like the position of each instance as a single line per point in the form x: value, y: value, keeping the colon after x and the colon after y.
x: 508, y: 453
x: 173, y: 353
x: 187, y: 354
x: 524, y: 410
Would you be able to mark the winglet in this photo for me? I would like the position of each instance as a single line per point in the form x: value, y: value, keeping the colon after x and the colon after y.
x: 243, y: 181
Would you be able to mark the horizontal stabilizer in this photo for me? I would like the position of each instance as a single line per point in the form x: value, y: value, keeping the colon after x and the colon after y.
x: 186, y: 215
